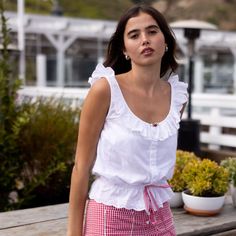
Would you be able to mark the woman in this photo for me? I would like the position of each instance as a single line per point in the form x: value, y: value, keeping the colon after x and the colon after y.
x: 128, y: 133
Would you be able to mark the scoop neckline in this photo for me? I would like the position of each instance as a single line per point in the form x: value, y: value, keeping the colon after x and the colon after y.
x: 154, y: 124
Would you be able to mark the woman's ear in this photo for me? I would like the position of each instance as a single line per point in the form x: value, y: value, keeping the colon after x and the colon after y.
x: 126, y: 55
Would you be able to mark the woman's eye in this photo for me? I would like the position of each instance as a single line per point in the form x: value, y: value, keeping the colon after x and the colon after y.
x: 152, y: 32
x: 133, y: 36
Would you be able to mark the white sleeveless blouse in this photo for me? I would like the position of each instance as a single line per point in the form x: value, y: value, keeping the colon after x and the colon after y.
x: 133, y: 154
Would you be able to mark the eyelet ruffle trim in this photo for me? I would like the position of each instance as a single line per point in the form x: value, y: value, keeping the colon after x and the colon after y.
x: 120, y: 110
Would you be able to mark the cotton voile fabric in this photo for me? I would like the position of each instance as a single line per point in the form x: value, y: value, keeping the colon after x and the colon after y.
x: 102, y: 220
x: 133, y: 156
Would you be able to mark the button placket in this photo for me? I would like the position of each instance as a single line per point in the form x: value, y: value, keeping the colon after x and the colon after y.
x: 153, y: 150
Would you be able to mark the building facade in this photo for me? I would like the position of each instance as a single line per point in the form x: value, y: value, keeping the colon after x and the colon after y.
x: 62, y: 52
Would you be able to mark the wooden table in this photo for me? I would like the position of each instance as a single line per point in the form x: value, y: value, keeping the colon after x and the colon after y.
x: 52, y: 221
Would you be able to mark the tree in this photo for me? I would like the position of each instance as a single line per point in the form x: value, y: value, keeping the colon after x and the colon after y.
x: 8, y: 113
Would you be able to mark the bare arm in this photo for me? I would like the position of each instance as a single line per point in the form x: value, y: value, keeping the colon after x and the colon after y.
x: 91, y: 122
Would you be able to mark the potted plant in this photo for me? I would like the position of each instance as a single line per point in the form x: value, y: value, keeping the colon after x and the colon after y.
x: 230, y: 164
x: 177, y: 181
x: 207, y: 183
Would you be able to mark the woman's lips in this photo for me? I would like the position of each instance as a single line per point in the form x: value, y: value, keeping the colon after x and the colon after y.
x: 147, y: 51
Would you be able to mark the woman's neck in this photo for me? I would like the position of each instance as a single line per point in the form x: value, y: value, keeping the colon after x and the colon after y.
x: 146, y: 78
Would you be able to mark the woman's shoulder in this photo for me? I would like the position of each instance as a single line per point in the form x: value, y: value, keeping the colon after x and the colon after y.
x: 100, y: 89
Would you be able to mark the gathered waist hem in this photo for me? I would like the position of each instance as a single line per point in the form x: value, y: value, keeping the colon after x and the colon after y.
x: 127, y: 196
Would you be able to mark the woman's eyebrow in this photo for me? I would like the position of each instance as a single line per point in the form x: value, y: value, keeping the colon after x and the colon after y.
x: 152, y: 26
x: 146, y: 28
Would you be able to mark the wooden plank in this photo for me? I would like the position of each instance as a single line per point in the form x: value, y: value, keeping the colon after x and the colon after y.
x: 189, y: 225
x: 52, y: 220
x: 33, y: 215
x: 47, y: 228
x: 228, y: 233
x: 218, y: 121
x: 214, y: 100
x: 222, y: 139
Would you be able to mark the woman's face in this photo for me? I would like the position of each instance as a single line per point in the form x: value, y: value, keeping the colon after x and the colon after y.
x: 144, y: 42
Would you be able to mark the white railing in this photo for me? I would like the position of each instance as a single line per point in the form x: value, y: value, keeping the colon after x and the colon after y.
x: 215, y: 111
x: 74, y: 95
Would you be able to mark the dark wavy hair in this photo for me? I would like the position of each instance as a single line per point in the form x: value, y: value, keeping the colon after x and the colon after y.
x: 115, y: 56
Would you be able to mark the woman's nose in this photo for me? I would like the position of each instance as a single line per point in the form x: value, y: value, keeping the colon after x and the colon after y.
x: 145, y: 40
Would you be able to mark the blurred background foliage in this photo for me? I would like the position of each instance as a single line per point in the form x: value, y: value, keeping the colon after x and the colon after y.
x: 46, y: 132
x: 38, y: 172
x: 219, y: 12
x: 37, y: 141
x: 45, y: 135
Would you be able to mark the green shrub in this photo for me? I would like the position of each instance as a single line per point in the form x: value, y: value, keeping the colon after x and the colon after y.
x: 205, y: 178
x: 47, y: 131
x: 177, y: 182
x: 230, y: 164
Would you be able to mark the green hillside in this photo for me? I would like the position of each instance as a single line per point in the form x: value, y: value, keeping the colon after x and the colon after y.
x: 219, y: 12
x: 96, y: 9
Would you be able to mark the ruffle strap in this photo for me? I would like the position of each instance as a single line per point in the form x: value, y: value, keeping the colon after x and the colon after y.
x: 180, y: 91
x: 100, y: 72
x: 180, y: 97
x: 116, y: 106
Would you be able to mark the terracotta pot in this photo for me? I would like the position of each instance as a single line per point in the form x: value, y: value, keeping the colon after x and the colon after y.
x: 177, y: 200
x: 203, y: 206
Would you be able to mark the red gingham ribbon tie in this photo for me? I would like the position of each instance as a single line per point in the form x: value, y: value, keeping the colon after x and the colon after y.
x: 150, y: 201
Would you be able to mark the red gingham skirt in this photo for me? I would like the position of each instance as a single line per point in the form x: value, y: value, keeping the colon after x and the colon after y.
x: 103, y: 220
